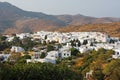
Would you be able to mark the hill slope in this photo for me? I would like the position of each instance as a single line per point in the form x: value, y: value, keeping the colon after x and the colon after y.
x: 81, y: 19
x: 12, y: 17
x: 112, y: 29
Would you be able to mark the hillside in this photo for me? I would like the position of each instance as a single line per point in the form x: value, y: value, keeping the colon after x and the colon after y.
x: 112, y: 29
x: 31, y: 25
x: 16, y: 20
x: 81, y: 19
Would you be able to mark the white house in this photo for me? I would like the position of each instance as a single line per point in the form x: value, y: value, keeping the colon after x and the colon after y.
x: 17, y: 49
x: 117, y: 54
x: 51, y: 57
x: 35, y: 60
x: 9, y: 39
x: 85, y: 48
x: 23, y: 35
x: 65, y: 51
x: 5, y: 56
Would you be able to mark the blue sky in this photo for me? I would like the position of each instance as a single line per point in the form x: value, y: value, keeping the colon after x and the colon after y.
x: 95, y: 8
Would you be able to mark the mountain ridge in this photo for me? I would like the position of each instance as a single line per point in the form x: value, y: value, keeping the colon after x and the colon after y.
x: 16, y: 20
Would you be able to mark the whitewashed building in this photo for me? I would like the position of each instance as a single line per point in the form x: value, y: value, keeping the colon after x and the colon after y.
x: 85, y: 48
x: 51, y: 57
x: 23, y: 35
x: 117, y: 54
x: 5, y: 57
x: 17, y: 49
x: 65, y: 52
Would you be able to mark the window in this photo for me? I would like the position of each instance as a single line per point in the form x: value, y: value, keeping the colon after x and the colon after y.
x: 117, y: 53
x: 67, y: 54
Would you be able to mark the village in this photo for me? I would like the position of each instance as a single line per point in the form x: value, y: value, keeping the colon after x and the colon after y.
x: 81, y: 41
x: 59, y: 40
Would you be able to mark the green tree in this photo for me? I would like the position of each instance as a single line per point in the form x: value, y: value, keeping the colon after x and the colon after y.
x: 43, y: 55
x: 85, y: 42
x: 74, y: 52
x: 79, y: 43
x: 16, y: 41
x: 28, y: 44
x: 91, y: 44
x: 45, y: 37
x: 98, y: 75
x: 38, y: 71
x: 23, y: 58
x: 4, y: 45
x: 59, y: 46
x: 50, y: 48
x: 3, y: 38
